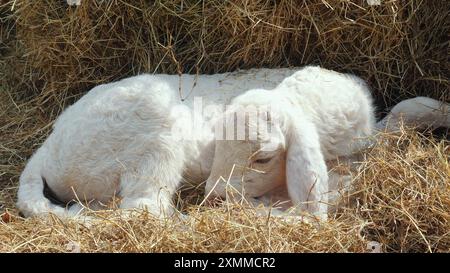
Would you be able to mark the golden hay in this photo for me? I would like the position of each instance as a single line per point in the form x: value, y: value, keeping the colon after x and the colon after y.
x: 52, y: 54
x: 403, y: 190
x: 214, y: 230
x: 400, y: 47
x: 5, y: 29
x: 400, y: 199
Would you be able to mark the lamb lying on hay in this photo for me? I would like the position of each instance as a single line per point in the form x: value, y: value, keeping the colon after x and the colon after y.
x: 133, y: 140
x: 400, y: 191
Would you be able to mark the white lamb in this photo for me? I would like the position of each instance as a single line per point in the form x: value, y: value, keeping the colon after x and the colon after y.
x: 119, y: 140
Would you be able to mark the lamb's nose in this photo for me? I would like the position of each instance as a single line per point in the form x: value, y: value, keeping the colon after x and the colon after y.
x: 212, y: 199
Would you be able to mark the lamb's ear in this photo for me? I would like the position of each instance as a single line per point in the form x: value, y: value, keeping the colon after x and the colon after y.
x: 306, y: 171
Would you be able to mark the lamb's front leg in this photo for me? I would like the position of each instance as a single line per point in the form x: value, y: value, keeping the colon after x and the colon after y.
x: 152, y: 184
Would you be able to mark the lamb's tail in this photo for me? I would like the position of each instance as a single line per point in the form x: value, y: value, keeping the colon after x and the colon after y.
x: 419, y: 112
x: 30, y: 197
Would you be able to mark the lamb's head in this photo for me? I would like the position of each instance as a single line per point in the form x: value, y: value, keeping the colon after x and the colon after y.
x: 278, y: 145
x: 250, y: 158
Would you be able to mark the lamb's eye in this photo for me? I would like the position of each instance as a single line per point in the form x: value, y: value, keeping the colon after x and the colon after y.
x: 262, y: 160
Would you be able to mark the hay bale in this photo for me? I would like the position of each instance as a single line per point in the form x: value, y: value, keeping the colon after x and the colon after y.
x: 400, y: 47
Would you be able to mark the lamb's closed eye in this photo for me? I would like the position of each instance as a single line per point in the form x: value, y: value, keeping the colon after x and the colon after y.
x: 263, y: 157
x: 263, y: 160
